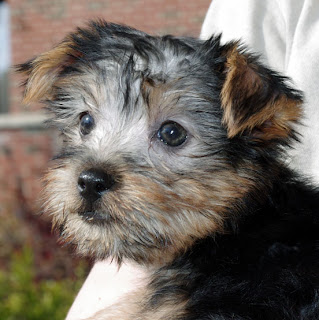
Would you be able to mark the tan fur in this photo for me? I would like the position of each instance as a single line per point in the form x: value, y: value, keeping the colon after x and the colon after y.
x: 242, y: 82
x: 45, y: 69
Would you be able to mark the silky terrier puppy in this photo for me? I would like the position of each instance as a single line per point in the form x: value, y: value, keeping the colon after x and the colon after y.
x: 173, y: 156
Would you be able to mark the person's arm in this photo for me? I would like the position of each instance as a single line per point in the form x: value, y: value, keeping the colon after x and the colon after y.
x: 104, y: 286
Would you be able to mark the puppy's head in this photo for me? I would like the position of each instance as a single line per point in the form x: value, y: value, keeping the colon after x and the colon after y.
x: 164, y: 138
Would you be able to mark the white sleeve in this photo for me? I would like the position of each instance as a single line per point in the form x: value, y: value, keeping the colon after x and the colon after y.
x: 286, y: 34
x: 259, y: 24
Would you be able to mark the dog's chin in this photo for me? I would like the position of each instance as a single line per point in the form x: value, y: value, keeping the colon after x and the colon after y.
x: 95, y: 217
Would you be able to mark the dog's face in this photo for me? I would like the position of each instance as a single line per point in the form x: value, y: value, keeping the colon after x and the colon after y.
x: 164, y: 138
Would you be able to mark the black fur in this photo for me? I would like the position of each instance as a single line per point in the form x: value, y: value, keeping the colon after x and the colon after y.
x: 265, y: 268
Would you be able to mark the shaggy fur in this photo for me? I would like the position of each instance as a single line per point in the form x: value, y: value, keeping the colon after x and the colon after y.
x: 184, y: 142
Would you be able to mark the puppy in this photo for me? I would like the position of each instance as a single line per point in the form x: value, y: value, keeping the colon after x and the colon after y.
x: 173, y: 156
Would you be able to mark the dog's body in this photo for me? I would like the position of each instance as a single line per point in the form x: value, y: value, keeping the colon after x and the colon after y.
x: 172, y: 157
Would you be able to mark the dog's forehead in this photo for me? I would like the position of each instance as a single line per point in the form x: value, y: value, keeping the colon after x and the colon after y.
x: 117, y: 74
x: 164, y: 61
x: 113, y: 44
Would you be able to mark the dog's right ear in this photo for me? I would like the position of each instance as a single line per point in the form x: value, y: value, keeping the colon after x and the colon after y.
x: 44, y: 71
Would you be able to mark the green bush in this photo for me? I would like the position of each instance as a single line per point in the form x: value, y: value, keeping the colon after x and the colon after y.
x: 22, y: 297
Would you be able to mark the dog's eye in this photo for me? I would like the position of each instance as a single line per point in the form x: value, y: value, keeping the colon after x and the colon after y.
x: 172, y: 134
x: 86, y: 123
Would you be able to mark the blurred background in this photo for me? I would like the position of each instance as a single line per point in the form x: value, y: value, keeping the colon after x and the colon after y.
x: 39, y: 278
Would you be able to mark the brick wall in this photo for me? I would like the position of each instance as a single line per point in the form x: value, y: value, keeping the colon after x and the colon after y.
x: 36, y: 26
x: 39, y: 24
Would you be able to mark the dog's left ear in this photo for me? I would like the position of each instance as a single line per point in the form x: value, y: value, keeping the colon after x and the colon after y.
x: 256, y: 101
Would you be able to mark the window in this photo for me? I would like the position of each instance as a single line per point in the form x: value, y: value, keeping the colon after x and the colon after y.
x: 4, y: 55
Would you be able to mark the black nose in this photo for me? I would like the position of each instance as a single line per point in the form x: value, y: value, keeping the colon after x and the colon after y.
x: 93, y: 183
